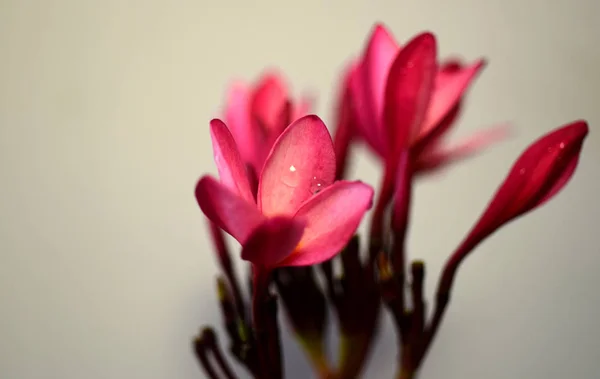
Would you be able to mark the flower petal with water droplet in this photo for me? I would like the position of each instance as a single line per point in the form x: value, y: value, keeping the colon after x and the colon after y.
x: 304, y: 151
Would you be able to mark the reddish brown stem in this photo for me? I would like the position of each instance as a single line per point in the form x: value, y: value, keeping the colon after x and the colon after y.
x: 225, y: 261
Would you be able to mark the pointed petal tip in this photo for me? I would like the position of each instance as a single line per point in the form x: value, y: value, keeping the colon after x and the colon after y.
x: 570, y: 133
x: 580, y: 128
x: 426, y: 40
x: 378, y: 28
x: 216, y: 123
x: 427, y: 36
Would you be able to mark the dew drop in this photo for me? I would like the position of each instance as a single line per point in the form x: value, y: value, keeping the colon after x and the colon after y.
x: 290, y: 178
x: 562, y: 145
x: 522, y: 171
x: 316, y: 185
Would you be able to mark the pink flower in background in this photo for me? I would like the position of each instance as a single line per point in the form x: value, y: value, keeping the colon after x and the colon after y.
x: 299, y: 216
x: 257, y: 114
x: 403, y: 96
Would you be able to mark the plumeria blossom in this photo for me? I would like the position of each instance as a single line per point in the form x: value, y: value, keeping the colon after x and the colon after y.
x: 257, y: 114
x: 423, y: 93
x: 277, y: 195
x: 300, y: 215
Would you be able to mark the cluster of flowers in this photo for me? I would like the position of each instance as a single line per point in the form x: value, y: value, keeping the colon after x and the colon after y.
x: 283, y: 195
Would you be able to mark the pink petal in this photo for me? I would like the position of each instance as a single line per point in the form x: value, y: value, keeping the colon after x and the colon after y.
x: 283, y: 120
x: 438, y: 156
x: 380, y: 53
x: 449, y: 89
x: 332, y: 217
x: 450, y: 66
x: 345, y: 123
x: 368, y: 85
x: 408, y: 91
x: 225, y: 208
x: 237, y: 117
x: 301, y: 162
x: 539, y: 174
x: 232, y: 170
x: 268, y: 99
x: 272, y: 241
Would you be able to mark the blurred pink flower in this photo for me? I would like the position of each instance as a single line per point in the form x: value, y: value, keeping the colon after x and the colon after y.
x: 257, y: 114
x: 299, y: 216
x: 404, y: 98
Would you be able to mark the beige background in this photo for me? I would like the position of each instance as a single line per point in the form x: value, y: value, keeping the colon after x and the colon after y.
x: 105, y: 270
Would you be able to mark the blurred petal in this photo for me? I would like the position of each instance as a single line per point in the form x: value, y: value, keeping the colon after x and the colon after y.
x: 345, y: 124
x: 232, y: 170
x: 332, y: 217
x: 301, y: 163
x: 408, y: 91
x: 368, y: 85
x: 272, y: 241
x: 449, y: 89
x: 437, y: 156
x: 237, y: 117
x: 539, y: 174
x: 268, y: 100
x: 450, y: 66
x: 379, y: 55
x: 229, y: 211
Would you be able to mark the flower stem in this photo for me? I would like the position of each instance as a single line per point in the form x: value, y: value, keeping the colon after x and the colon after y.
x: 227, y: 267
x: 213, y: 345
x: 377, y: 221
x: 264, y: 318
x: 406, y: 374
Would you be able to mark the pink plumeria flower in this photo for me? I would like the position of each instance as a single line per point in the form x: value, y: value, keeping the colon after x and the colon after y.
x: 300, y: 216
x: 404, y: 96
x: 543, y: 169
x: 257, y: 114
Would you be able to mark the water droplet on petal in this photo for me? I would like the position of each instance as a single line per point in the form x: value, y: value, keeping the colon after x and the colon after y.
x: 562, y: 145
x: 290, y: 178
x: 316, y: 185
x: 522, y: 171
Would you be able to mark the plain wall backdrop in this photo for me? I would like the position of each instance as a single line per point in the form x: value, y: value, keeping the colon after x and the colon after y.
x: 106, y: 270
